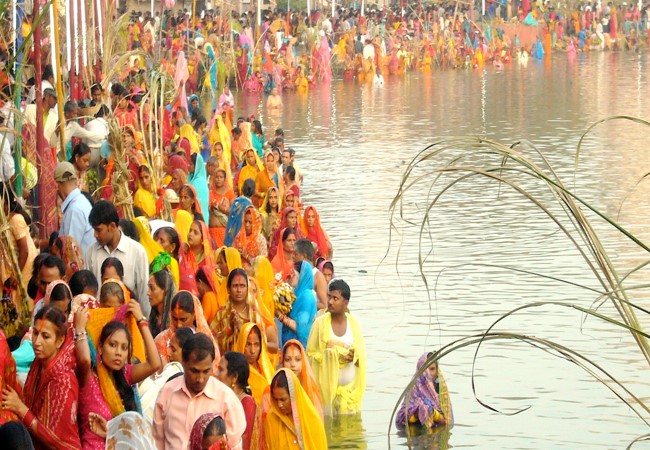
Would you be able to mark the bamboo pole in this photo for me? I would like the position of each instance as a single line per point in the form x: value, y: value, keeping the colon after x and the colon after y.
x: 59, y: 81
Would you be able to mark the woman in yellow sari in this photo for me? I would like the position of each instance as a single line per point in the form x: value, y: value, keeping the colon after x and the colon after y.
x: 263, y: 273
x: 251, y: 343
x: 292, y: 422
x: 227, y: 259
x: 145, y: 197
x: 187, y: 132
x: 250, y: 170
x: 158, y: 258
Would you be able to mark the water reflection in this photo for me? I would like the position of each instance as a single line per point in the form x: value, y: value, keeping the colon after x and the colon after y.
x: 353, y: 143
x: 420, y: 438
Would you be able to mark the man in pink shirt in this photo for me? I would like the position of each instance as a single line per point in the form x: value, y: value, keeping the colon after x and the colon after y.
x: 184, y: 399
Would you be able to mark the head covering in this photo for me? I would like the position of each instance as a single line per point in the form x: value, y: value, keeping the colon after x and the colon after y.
x: 50, y: 288
x: 188, y: 261
x: 277, y: 235
x: 199, y: 180
x: 423, y: 403
x: 236, y: 219
x: 182, y: 223
x: 307, y: 379
x: 266, y: 282
x: 316, y: 234
x: 304, y: 424
x: 158, y: 258
x: 249, y: 244
x: 178, y: 162
x: 281, y: 264
x: 198, y: 208
x: 304, y: 308
x: 261, y: 373
x: 72, y: 256
x: 265, y: 202
x: 196, y: 436
x: 130, y: 431
x: 64, y: 171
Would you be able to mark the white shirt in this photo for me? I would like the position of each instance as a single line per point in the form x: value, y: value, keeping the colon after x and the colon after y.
x: 378, y: 80
x: 348, y: 372
x: 133, y: 257
x: 8, y: 168
x: 369, y: 52
x: 73, y: 129
x: 99, y: 129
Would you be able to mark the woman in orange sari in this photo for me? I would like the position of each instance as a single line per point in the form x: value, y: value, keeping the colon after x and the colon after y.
x: 249, y: 241
x: 198, y: 251
x: 208, y: 287
x: 221, y: 197
x: 289, y: 220
x: 266, y: 179
x: 186, y: 311
x: 313, y: 231
x: 283, y: 261
x: 251, y: 343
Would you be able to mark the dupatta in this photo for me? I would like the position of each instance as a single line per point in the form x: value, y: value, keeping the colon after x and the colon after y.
x: 199, y: 180
x: 188, y: 262
x: 249, y: 245
x: 261, y: 373
x: 307, y: 379
x: 316, y: 234
x: 155, y: 251
x: 304, y: 307
x: 280, y: 263
x: 304, y: 424
x: 236, y: 219
x: 72, y: 256
x: 276, y: 239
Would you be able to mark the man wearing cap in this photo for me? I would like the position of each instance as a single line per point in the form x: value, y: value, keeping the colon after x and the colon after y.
x: 76, y: 207
x: 50, y: 115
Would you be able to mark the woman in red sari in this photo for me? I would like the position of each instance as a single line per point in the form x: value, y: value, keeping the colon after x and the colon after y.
x: 283, y: 260
x: 289, y: 220
x: 51, y: 391
x: 8, y: 378
x: 197, y: 252
x: 313, y: 231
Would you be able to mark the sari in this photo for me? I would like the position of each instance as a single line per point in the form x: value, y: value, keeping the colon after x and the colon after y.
x: 182, y: 222
x: 424, y: 403
x: 187, y: 132
x: 276, y: 239
x: 233, y: 261
x: 220, y: 133
x: 51, y: 393
x: 189, y: 263
x: 266, y: 284
x: 210, y: 300
x: 304, y: 307
x: 198, y: 207
x: 8, y: 378
x: 163, y: 340
x: 261, y: 373
x: 270, y: 220
x: 253, y: 245
x: 316, y: 234
x: 302, y: 430
x: 325, y: 363
x: 218, y: 232
x: 199, y: 180
x: 236, y: 219
x: 247, y: 172
x: 196, y: 436
x: 72, y: 257
x: 129, y: 431
x: 281, y: 265
x: 145, y: 200
x: 158, y: 258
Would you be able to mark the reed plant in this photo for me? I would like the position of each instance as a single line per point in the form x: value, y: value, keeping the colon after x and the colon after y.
x: 446, y: 165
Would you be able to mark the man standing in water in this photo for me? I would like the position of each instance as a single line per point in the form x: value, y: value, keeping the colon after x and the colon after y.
x: 336, y: 346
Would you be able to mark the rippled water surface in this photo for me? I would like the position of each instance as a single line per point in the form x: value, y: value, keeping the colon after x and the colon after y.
x: 354, y: 143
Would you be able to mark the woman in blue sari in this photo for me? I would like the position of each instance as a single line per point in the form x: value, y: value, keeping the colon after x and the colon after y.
x: 199, y: 180
x: 235, y: 219
x: 297, y: 324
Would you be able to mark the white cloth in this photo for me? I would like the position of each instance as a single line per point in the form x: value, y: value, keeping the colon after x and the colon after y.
x: 133, y: 257
x: 8, y: 168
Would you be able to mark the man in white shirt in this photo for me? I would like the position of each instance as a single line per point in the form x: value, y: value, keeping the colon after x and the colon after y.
x: 98, y: 143
x: 112, y: 242
x: 72, y: 128
x: 50, y: 115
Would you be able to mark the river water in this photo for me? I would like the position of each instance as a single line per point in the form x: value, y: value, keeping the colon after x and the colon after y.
x: 354, y: 143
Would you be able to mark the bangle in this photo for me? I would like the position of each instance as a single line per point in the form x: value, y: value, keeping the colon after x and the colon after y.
x: 78, y: 335
x: 141, y: 319
x: 143, y: 323
x: 80, y: 339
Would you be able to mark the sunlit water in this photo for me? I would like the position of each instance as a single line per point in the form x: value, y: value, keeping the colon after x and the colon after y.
x: 354, y: 142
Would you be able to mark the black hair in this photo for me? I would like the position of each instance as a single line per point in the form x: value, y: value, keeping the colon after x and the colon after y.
x: 198, y: 345
x: 248, y: 189
x: 280, y: 381
x: 268, y: 204
x: 82, y: 280
x: 123, y: 387
x: 103, y: 213
x: 55, y: 316
x: 117, y: 89
x: 54, y: 261
x: 238, y: 271
x: 257, y: 126
x: 164, y: 281
x: 128, y: 228
x: 238, y: 365
x: 137, y: 212
x: 236, y: 130
x: 291, y: 172
x: 182, y: 334
x: 287, y: 233
x: 96, y: 87
x: 6, y: 192
x: 184, y: 301
x: 173, y: 237
x: 81, y: 150
x: 200, y: 120
x: 216, y: 427
x: 15, y: 436
x: 103, y: 111
x: 305, y: 247
x: 111, y: 261
x: 341, y: 286
x: 61, y: 292
x: 48, y: 72
x: 32, y: 286
x: 201, y: 276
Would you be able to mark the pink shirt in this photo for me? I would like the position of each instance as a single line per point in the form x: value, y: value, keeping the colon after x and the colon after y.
x: 176, y: 411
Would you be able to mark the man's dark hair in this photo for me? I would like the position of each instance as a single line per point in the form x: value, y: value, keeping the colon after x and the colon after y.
x: 198, y: 345
x: 81, y: 280
x: 291, y: 173
x: 54, y: 261
x: 103, y: 213
x: 341, y: 286
x: 306, y: 248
